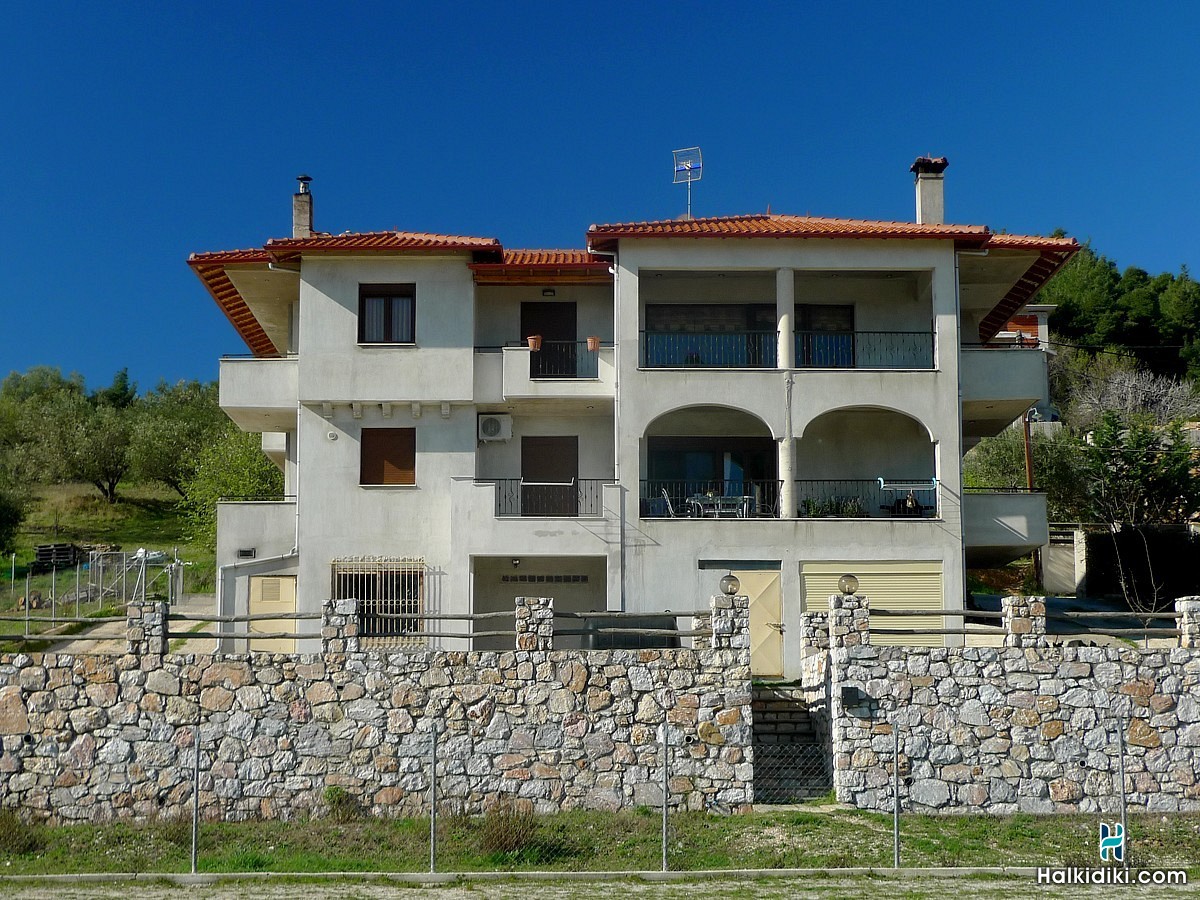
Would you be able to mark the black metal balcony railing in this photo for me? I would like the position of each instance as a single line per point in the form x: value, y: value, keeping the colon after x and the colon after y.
x: 709, y: 349
x: 864, y: 350
x: 866, y: 498
x: 580, y: 497
x: 564, y: 359
x: 734, y: 499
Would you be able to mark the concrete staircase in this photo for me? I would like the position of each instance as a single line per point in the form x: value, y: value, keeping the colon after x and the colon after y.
x: 792, y: 747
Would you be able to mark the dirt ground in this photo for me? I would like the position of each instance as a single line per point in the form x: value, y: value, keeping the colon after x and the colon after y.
x: 824, y: 887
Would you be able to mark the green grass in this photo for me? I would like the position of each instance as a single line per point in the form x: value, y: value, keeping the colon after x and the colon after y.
x: 146, y: 516
x: 594, y: 841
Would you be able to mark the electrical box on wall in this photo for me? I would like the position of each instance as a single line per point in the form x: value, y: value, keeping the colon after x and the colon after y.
x: 494, y: 427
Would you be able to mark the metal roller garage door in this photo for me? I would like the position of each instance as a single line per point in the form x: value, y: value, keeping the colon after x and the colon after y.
x: 889, y: 585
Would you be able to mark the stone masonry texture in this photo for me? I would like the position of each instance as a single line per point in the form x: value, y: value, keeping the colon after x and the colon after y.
x: 94, y: 738
x: 1028, y: 729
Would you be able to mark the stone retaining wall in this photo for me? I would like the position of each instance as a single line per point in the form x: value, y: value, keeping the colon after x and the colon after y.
x: 1030, y: 729
x: 91, y: 738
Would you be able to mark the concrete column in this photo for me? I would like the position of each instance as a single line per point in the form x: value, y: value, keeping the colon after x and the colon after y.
x: 785, y: 310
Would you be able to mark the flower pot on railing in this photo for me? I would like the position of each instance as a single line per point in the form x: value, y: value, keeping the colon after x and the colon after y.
x: 535, y: 341
x: 593, y: 343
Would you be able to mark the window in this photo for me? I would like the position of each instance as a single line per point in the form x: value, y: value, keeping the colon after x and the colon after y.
x: 388, y: 456
x: 391, y: 599
x: 387, y: 313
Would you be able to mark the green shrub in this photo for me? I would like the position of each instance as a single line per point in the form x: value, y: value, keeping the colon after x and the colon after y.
x: 18, y: 838
x: 341, y: 805
x: 508, y: 828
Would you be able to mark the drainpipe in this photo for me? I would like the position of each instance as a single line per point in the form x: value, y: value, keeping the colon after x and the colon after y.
x: 614, y: 270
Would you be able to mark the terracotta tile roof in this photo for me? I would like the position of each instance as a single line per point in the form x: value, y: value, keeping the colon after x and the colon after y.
x: 553, y: 258
x: 780, y: 226
x: 210, y: 267
x: 544, y: 267
x: 380, y: 241
x: 1030, y: 242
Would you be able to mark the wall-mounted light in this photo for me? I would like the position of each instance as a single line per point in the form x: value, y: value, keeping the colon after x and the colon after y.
x: 547, y: 292
x: 730, y: 584
x: 516, y: 562
x: 848, y: 584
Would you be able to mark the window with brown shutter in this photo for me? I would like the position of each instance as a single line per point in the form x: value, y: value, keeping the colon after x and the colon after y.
x: 389, y: 456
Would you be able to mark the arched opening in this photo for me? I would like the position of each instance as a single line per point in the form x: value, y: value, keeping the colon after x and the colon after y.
x: 709, y: 462
x: 861, y: 462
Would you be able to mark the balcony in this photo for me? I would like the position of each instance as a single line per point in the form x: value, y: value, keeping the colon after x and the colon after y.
x: 998, y: 385
x: 260, y: 394
x: 1002, y: 525
x: 864, y: 350
x: 708, y: 349
x: 866, y: 498
x: 560, y: 369
x: 812, y: 350
x: 578, y: 498
x: 712, y: 499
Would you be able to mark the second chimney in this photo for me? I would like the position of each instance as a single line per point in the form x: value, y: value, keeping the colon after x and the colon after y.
x: 302, y: 209
x: 931, y: 199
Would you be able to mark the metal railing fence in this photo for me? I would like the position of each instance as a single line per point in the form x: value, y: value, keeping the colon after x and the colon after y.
x: 578, y: 497
x: 564, y: 359
x: 743, y: 498
x: 860, y: 498
x: 864, y: 350
x: 709, y: 349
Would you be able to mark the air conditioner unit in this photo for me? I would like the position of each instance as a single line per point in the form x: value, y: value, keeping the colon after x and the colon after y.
x: 495, y: 428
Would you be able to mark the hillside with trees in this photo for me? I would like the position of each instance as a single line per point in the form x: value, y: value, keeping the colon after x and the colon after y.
x: 55, y: 431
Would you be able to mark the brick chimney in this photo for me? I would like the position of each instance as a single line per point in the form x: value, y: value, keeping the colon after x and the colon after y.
x: 302, y: 209
x: 931, y: 200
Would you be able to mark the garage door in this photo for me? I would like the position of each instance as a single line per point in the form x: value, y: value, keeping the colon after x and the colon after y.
x: 888, y: 585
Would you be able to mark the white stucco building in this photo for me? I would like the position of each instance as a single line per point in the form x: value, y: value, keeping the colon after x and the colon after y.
x: 784, y: 397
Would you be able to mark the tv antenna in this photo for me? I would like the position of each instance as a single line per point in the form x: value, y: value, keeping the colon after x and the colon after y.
x: 689, y: 166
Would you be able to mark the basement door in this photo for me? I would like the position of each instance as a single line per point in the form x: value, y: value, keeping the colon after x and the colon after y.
x: 549, y: 476
x: 766, y: 622
x: 273, y: 594
x: 888, y: 585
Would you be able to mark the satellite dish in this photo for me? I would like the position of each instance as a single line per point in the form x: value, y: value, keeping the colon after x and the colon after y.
x: 689, y: 167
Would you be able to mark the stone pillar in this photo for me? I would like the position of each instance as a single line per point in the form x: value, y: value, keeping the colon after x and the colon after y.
x: 339, y: 626
x: 814, y: 630
x: 702, y: 623
x: 730, y: 623
x: 1024, y: 621
x: 535, y: 623
x: 1189, y: 622
x: 849, y: 620
x: 146, y: 628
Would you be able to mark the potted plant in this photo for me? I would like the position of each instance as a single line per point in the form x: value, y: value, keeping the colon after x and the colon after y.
x: 535, y: 341
x: 593, y: 343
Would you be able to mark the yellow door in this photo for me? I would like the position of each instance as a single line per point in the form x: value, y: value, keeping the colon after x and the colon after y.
x: 766, y: 622
x: 888, y: 585
x: 273, y: 594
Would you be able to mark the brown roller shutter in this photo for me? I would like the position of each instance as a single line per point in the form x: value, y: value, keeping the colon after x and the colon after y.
x: 389, y: 456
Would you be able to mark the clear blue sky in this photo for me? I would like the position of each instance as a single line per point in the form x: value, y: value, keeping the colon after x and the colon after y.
x: 134, y: 135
